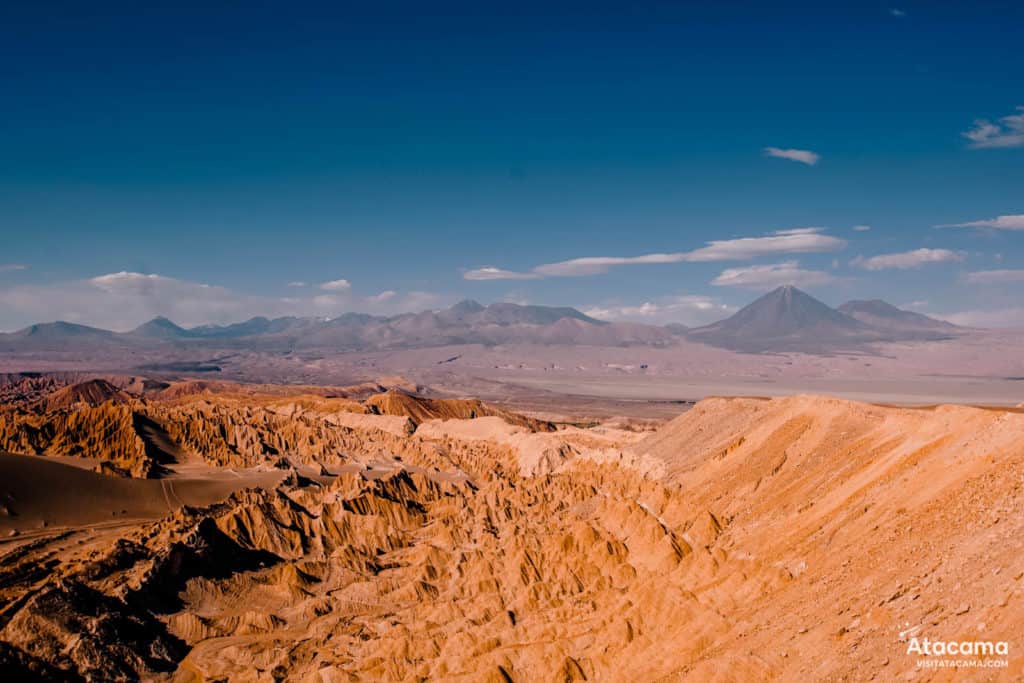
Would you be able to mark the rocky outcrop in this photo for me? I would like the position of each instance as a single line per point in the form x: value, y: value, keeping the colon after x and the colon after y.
x: 222, y: 423
x: 419, y: 409
x: 18, y: 665
x: 93, y: 635
x: 92, y: 392
x: 105, y: 432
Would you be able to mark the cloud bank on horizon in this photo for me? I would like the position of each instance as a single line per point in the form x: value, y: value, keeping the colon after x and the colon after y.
x: 994, y: 277
x: 688, y: 309
x: 121, y: 301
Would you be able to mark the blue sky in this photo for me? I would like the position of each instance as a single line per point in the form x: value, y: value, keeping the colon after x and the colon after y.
x: 201, y: 162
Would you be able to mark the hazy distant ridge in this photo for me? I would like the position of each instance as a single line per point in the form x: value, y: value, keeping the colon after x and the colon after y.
x: 785, y: 319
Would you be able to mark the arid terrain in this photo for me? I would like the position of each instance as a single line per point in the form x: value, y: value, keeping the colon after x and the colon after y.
x: 511, y: 493
x: 527, y: 342
x: 558, y: 359
x: 205, y: 530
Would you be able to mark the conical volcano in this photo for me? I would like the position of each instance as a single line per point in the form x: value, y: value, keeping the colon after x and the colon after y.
x: 785, y: 319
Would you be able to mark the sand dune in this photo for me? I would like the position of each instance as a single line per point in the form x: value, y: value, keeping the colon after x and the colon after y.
x: 39, y: 493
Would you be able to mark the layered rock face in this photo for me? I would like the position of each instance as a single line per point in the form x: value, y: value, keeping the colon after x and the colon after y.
x: 798, y: 538
x: 135, y: 435
x: 105, y: 432
x: 420, y: 410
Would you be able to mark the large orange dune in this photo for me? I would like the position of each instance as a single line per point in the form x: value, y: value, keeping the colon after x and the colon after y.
x: 800, y: 538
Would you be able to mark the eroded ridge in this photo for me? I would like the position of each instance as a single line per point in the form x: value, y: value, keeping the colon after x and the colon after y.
x: 748, y: 539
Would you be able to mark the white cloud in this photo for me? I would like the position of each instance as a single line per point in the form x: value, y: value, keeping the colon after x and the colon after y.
x: 791, y: 241
x: 687, y: 309
x: 386, y: 295
x: 11, y: 267
x: 336, y: 285
x: 991, y: 277
x: 124, y: 278
x: 590, y: 265
x: 907, y: 259
x: 492, y: 273
x: 897, y: 12
x: 1007, y: 132
x: 296, y: 283
x: 1004, y: 317
x: 123, y: 300
x: 1009, y: 222
x: 861, y: 228
x: 772, y: 275
x: 415, y: 301
x: 804, y: 156
x: 328, y: 301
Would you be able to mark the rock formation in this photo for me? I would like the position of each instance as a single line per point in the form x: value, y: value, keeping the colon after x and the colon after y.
x: 793, y: 538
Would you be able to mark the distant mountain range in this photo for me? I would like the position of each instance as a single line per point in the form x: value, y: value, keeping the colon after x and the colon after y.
x: 785, y: 319
x: 881, y: 314
x: 467, y: 322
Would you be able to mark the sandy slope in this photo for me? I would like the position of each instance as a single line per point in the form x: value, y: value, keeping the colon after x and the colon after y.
x: 886, y: 519
x: 37, y: 493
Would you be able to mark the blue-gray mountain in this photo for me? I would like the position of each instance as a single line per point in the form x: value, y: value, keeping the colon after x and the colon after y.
x: 785, y: 319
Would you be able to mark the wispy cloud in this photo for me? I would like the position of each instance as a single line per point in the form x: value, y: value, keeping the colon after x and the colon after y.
x: 688, y: 309
x: 122, y: 300
x: 861, y: 228
x: 907, y: 259
x: 992, y: 277
x: 492, y: 273
x: 341, y: 285
x: 804, y: 156
x: 1010, y: 222
x: 12, y: 267
x: 772, y: 275
x: 897, y: 12
x: 296, y: 283
x: 791, y: 241
x: 1006, y: 132
x: 590, y: 265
